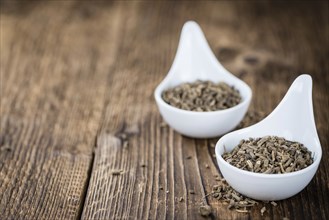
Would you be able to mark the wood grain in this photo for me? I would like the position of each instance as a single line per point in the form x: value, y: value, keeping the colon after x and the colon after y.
x: 81, y: 135
x: 53, y: 83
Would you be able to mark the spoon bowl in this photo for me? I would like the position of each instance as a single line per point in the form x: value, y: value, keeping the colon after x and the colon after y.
x: 194, y: 60
x: 293, y: 120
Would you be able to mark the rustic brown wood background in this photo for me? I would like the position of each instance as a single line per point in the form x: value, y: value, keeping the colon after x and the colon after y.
x: 77, y: 77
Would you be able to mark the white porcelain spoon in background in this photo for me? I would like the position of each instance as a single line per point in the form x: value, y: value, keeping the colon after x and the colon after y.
x: 292, y: 119
x: 194, y: 60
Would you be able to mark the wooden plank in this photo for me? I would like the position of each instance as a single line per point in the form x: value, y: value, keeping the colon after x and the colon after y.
x: 260, y: 43
x: 54, y: 71
x: 39, y: 183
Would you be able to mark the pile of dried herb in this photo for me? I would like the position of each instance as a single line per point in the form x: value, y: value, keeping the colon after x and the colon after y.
x: 269, y: 155
x: 202, y: 96
x: 224, y: 192
x: 237, y: 202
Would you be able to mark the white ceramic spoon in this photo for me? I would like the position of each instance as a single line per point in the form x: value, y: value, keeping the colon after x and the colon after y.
x: 292, y: 119
x: 194, y: 60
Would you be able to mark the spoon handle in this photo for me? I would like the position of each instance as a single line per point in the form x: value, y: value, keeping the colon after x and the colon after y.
x: 295, y: 111
x: 194, y: 57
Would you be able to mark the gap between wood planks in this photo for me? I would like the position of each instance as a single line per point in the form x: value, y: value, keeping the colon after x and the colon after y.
x: 86, y: 187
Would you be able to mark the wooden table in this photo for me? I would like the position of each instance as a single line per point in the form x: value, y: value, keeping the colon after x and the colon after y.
x: 77, y: 82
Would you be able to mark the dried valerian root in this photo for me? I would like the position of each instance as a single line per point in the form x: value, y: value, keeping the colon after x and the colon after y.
x: 205, y: 210
x: 202, y: 96
x: 263, y: 210
x: 116, y: 172
x: 225, y: 193
x: 235, y: 201
x: 269, y: 155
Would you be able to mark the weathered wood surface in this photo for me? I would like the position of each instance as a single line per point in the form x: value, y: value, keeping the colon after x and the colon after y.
x: 77, y: 82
